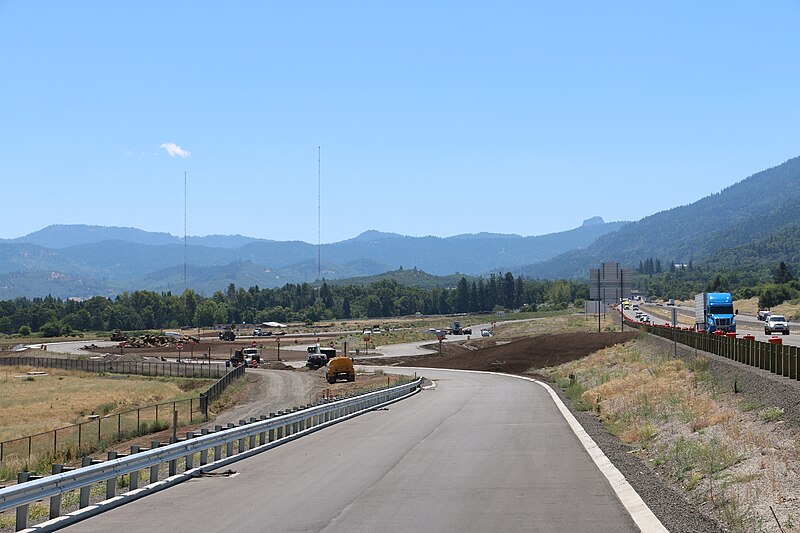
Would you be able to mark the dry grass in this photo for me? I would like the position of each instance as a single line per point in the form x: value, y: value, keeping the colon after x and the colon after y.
x: 733, y: 458
x: 34, y: 404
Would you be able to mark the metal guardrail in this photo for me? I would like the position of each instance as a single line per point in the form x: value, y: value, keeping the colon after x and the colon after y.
x: 238, y: 442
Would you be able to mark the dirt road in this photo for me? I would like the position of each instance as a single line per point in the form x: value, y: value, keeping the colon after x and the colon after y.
x: 270, y: 391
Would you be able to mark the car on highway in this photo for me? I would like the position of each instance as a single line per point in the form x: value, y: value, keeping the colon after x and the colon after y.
x: 776, y: 323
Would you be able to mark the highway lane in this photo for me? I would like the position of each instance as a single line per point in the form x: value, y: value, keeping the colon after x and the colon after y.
x: 477, y: 453
x: 745, y: 324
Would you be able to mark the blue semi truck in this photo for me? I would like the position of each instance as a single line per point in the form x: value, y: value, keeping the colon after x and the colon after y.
x: 714, y: 311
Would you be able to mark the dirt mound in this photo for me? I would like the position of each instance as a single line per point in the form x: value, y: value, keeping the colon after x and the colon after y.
x: 518, y: 356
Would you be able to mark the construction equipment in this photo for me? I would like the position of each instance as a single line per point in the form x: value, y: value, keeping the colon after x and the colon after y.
x: 249, y: 357
x: 319, y: 357
x: 340, y: 368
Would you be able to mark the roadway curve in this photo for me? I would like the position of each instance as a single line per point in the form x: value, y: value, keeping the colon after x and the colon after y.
x: 477, y: 453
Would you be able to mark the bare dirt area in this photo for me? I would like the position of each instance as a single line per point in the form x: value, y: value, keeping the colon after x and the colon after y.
x: 514, y: 356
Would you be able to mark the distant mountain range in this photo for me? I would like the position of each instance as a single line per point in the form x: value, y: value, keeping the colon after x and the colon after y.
x: 82, y: 261
x: 753, y: 223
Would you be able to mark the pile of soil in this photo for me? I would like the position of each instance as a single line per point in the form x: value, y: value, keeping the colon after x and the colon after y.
x: 521, y: 355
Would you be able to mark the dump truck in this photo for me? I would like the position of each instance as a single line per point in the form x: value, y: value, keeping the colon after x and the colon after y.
x: 249, y: 357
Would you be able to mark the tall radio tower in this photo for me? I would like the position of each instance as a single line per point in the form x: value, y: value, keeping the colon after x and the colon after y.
x: 185, y: 245
x: 319, y: 213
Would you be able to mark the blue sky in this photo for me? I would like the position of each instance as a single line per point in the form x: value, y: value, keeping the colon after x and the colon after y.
x: 434, y: 118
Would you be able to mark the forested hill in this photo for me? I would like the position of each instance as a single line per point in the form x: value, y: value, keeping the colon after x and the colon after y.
x: 751, y: 210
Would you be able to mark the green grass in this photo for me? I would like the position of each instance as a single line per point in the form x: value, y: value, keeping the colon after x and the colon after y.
x: 770, y: 414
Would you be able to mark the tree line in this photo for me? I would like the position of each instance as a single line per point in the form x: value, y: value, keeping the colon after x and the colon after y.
x: 771, y: 284
x: 141, y: 310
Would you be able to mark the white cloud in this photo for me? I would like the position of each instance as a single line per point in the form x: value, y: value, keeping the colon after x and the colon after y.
x: 173, y: 150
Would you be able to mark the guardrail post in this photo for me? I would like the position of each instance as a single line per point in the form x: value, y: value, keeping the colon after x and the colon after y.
x: 204, y: 451
x: 217, y: 448
x: 154, y: 469
x: 229, y: 444
x: 242, y: 439
x: 793, y: 362
x: 111, y: 483
x: 85, y: 492
x: 134, y: 476
x: 253, y: 436
x: 22, y: 510
x: 55, y: 501
x: 189, y: 458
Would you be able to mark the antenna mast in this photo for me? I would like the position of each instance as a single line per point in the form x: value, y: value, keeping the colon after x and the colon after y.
x: 185, y: 245
x: 319, y: 212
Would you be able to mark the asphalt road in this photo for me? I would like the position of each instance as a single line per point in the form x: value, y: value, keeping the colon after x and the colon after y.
x: 477, y: 453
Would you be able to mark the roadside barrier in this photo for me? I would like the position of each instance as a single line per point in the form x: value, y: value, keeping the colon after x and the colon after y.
x: 105, y: 429
x: 224, y: 445
x: 773, y: 355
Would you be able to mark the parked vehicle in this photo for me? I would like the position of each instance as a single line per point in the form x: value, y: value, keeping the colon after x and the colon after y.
x: 671, y: 301
x: 319, y: 357
x: 714, y: 311
x: 340, y: 368
x: 776, y: 323
x: 227, y: 335
x: 485, y: 333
